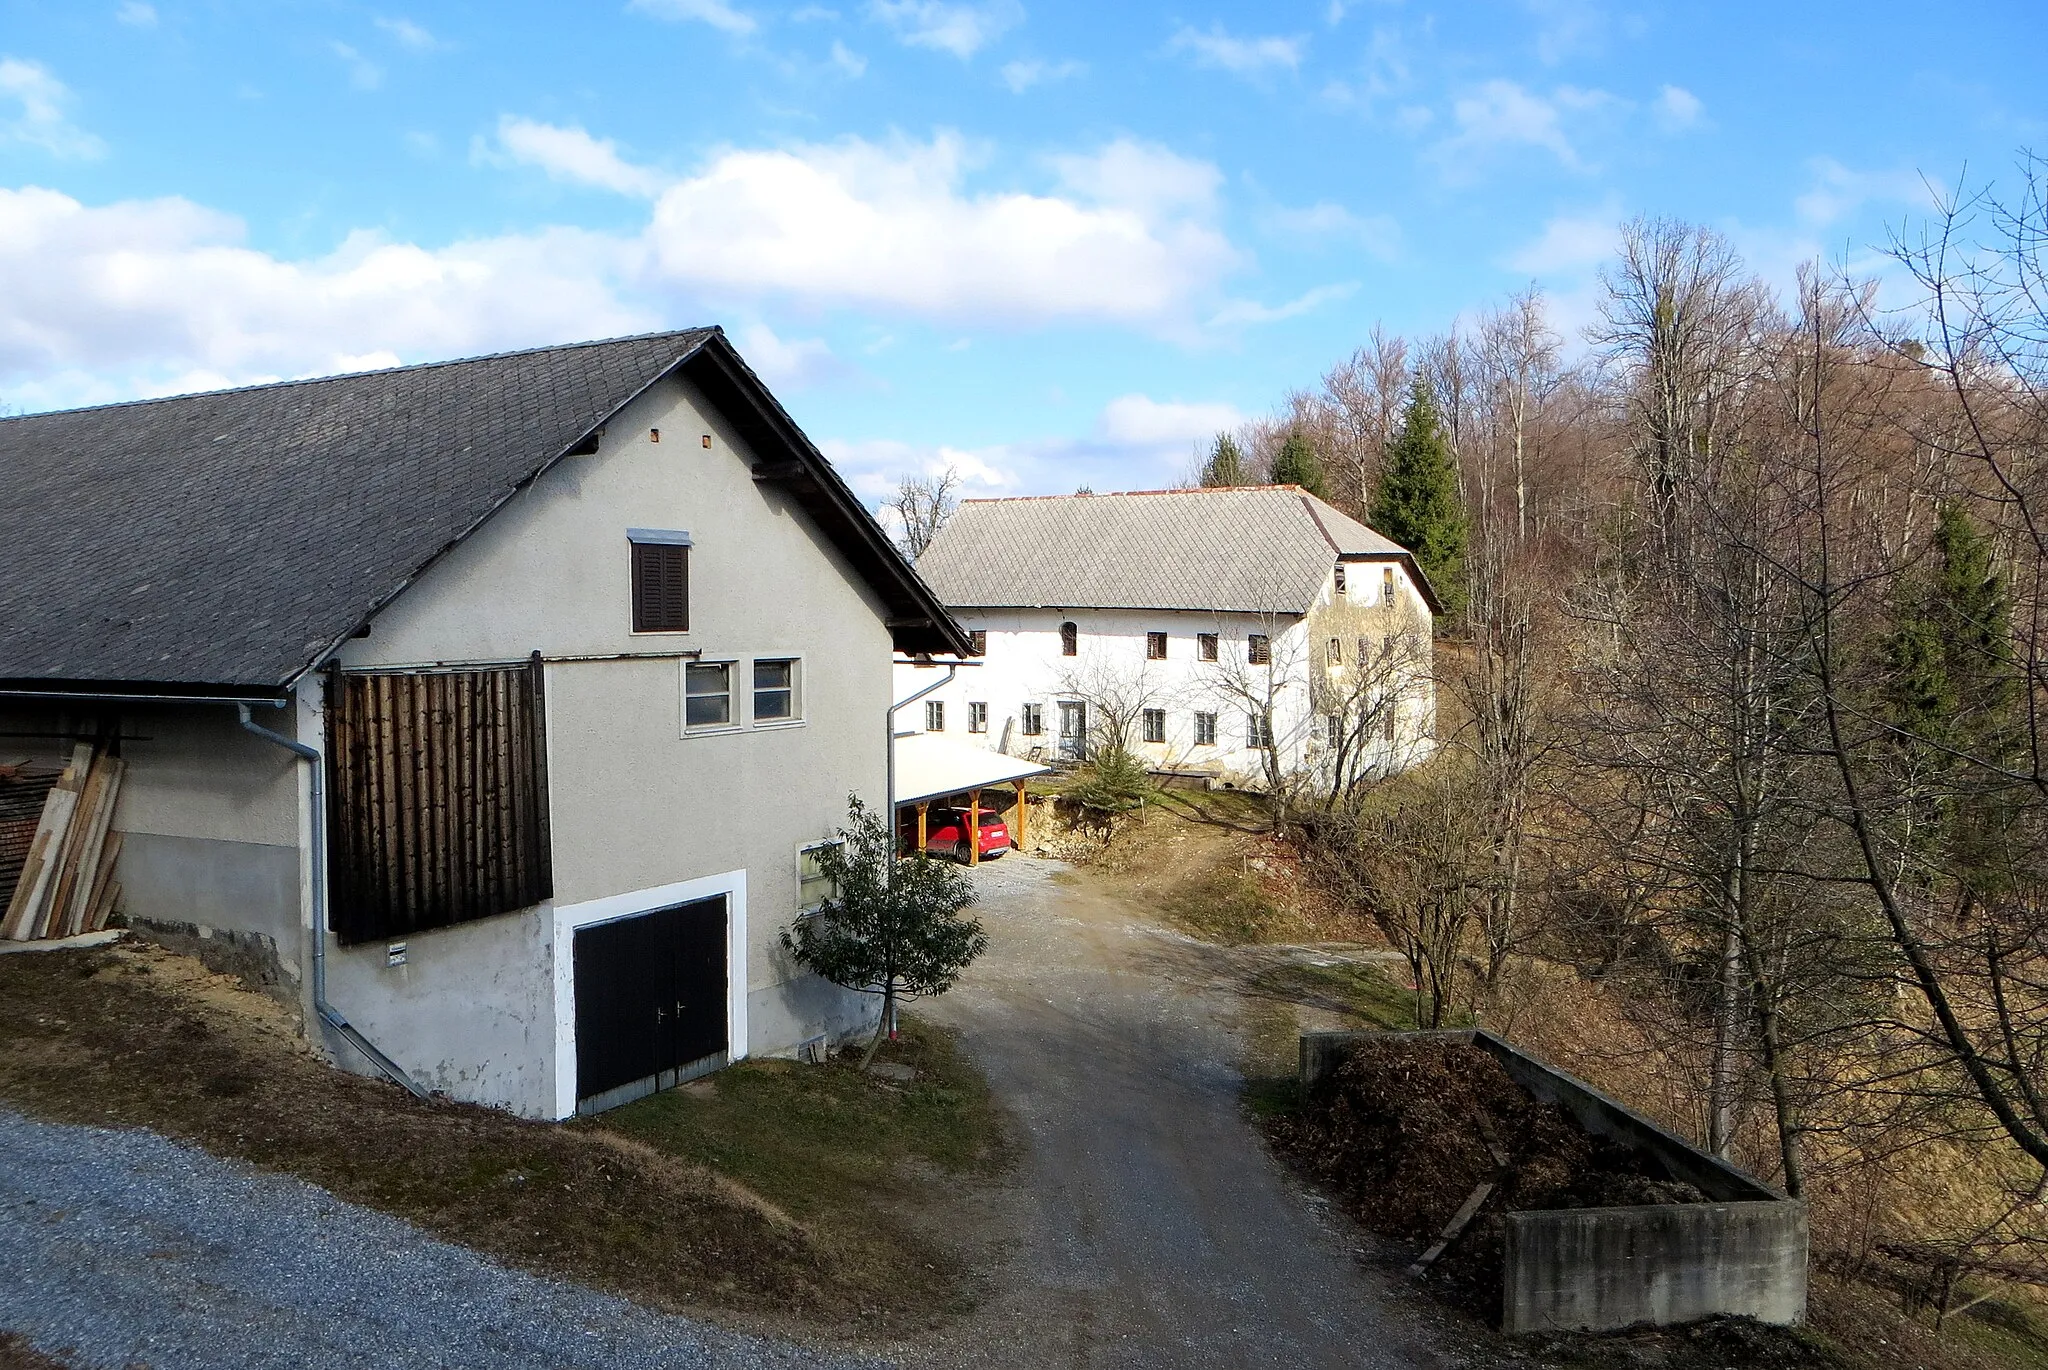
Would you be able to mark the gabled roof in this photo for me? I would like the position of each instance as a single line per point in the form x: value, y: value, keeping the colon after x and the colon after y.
x: 1258, y: 549
x: 231, y: 541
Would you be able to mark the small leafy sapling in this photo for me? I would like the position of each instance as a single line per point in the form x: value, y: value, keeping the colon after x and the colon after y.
x: 892, y: 926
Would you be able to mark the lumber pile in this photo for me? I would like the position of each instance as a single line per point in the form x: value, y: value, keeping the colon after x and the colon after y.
x: 66, y: 885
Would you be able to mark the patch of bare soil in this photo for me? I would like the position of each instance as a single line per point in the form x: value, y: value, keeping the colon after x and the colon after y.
x: 1404, y: 1133
x: 137, y: 1037
x: 16, y: 1354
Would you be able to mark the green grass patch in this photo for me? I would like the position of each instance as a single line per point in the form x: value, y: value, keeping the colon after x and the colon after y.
x: 1225, y: 906
x: 1368, y: 993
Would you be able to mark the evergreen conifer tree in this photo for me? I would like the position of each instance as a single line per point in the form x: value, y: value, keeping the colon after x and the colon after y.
x: 1417, y: 502
x: 1297, y: 464
x: 1225, y: 466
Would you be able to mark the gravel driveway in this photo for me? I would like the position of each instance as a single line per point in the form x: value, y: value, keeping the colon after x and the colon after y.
x: 1157, y: 1230
x: 122, y: 1249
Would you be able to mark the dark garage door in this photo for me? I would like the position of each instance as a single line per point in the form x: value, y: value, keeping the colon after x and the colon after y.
x: 651, y: 1002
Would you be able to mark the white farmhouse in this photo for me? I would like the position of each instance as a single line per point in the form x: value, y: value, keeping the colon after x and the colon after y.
x: 1251, y: 636
x: 490, y: 712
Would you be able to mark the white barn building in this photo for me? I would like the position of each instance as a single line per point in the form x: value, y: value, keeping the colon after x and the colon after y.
x: 1242, y: 635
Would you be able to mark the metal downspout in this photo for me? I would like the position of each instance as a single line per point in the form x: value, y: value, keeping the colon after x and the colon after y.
x: 329, y: 1015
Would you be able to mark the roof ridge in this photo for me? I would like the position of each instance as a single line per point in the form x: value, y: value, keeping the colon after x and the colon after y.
x: 339, y: 376
x: 1127, y: 494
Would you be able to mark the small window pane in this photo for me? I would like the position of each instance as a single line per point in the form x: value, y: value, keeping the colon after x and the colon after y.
x: 1336, y: 652
x: 661, y: 588
x: 1034, y: 720
x: 1387, y: 585
x: 1333, y: 730
x: 934, y: 716
x: 977, y: 717
x: 1155, y: 646
x: 1205, y: 730
x: 1258, y: 649
x: 1070, y: 639
x: 1340, y: 580
x: 1155, y: 725
x: 1205, y: 646
x: 707, y: 693
x: 813, y: 886
x: 774, y: 690
x: 978, y: 641
x: 1258, y: 731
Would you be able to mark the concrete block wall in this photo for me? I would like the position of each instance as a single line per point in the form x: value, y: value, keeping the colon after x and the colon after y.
x: 1600, y: 1269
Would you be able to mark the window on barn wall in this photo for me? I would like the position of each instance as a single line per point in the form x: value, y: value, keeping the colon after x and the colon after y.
x: 1258, y: 649
x: 1155, y: 646
x: 813, y: 886
x: 707, y: 695
x: 1205, y: 730
x: 661, y: 580
x: 1340, y: 579
x: 437, y: 798
x: 1070, y: 639
x: 935, y: 715
x: 1258, y: 732
x: 1034, y: 720
x: 1387, y: 585
x: 774, y: 691
x: 1205, y: 646
x: 977, y: 716
x: 1155, y: 725
x: 1334, y: 655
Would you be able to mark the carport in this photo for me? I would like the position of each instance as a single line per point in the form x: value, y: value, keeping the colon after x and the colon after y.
x: 930, y: 768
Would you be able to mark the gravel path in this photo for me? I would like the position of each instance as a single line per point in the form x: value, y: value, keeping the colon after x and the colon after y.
x: 1157, y: 1231
x: 122, y: 1249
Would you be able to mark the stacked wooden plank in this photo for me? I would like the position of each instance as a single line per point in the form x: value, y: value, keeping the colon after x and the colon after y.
x: 66, y: 885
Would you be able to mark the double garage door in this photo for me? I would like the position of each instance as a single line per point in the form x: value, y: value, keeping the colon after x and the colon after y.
x: 652, y: 994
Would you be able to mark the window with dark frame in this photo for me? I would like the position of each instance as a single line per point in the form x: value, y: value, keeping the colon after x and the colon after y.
x: 661, y: 581
x: 1155, y: 725
x: 1387, y: 584
x: 1070, y: 639
x: 1258, y: 731
x: 1205, y: 646
x: 1155, y: 646
x: 1205, y: 729
x: 1335, y: 652
x: 977, y: 716
x: 935, y: 715
x: 1340, y: 578
x: 1258, y: 649
x: 774, y: 691
x: 978, y: 642
x: 1034, y: 720
x: 1333, y: 731
x: 707, y: 694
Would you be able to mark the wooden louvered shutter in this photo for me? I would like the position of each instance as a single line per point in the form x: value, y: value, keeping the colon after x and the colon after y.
x: 661, y: 588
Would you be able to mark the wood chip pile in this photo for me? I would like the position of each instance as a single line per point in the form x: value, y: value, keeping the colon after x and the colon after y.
x: 65, y: 885
x: 1409, y: 1134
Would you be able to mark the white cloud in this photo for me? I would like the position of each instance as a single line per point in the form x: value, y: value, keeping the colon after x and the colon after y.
x: 1837, y: 192
x: 1238, y: 56
x: 1141, y: 421
x: 1378, y: 234
x: 1239, y: 313
x: 1677, y: 109
x: 570, y: 154
x: 136, y: 14
x: 717, y: 13
x: 1567, y: 28
x: 147, y: 296
x: 893, y: 226
x: 39, y: 119
x: 408, y: 35
x: 847, y: 60
x: 1503, y: 114
x: 363, y: 74
x: 961, y: 29
x: 1143, y: 176
x: 787, y: 363
x: 1021, y: 76
x: 1571, y: 242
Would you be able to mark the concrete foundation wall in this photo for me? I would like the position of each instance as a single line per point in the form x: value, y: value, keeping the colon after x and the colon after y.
x: 1599, y: 1269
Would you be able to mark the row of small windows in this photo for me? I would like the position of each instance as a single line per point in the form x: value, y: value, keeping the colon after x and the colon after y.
x: 1151, y: 723
x: 708, y: 693
x: 1258, y: 646
x: 1333, y: 653
x: 1386, y: 582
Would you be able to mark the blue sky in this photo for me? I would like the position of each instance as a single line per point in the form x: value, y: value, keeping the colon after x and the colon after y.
x: 1047, y: 243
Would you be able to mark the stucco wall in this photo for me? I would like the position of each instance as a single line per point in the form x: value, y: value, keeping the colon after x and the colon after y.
x: 1023, y: 664
x: 635, y: 803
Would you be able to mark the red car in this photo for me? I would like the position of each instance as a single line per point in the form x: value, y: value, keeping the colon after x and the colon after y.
x: 945, y: 832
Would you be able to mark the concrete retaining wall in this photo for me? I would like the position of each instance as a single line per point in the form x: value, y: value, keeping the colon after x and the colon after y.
x: 1597, y: 1269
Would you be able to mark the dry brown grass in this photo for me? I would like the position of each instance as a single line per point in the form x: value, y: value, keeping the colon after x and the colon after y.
x: 137, y: 1037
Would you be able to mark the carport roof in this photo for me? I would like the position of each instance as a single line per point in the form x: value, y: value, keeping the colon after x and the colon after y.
x: 929, y: 767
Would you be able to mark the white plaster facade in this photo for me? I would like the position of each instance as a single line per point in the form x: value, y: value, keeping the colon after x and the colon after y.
x: 1112, y: 671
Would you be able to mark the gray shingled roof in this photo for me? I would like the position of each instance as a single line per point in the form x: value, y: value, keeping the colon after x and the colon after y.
x: 232, y: 539
x: 1265, y: 549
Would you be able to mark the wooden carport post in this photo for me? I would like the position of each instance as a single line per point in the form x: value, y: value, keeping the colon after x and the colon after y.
x: 1017, y: 837
x: 922, y: 805
x: 974, y: 827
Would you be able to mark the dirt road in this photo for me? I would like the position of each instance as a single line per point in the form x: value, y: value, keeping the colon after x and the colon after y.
x: 1157, y: 1231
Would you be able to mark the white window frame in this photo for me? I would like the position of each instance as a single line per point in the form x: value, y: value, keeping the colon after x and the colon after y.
x: 733, y: 722
x: 1025, y: 714
x: 797, y: 692
x: 1145, y: 722
x: 569, y: 917
x: 805, y: 910
x: 977, y: 715
x: 1204, y: 716
x: 935, y: 709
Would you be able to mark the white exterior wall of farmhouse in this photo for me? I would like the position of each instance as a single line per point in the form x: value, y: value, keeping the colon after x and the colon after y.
x: 1024, y: 664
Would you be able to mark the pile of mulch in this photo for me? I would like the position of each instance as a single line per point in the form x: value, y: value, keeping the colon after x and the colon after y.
x: 1400, y: 1134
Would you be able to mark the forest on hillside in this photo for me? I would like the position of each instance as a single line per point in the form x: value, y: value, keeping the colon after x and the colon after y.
x: 1742, y: 687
